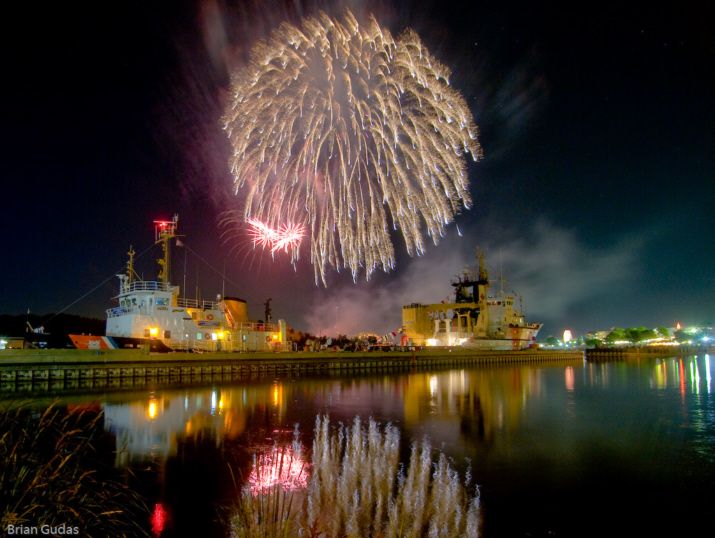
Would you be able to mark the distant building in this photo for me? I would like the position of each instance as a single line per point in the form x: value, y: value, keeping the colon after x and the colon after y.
x: 12, y: 342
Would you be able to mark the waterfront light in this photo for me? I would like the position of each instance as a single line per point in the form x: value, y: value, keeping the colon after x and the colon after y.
x: 433, y: 385
x: 153, y: 331
x: 151, y: 410
x: 569, y: 378
x: 707, y: 371
x: 431, y: 341
x: 158, y: 519
x: 277, y: 395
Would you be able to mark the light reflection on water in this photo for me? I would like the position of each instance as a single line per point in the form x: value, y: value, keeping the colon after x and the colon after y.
x: 566, y: 449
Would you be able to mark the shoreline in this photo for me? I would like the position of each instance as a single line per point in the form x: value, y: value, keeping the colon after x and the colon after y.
x: 60, y: 371
x: 85, y: 356
x: 623, y: 353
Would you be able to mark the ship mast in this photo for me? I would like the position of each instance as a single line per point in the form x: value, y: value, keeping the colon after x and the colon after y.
x: 164, y: 232
x: 131, y: 273
x: 483, y: 274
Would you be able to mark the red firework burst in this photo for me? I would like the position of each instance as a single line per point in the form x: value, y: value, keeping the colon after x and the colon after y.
x: 285, y: 237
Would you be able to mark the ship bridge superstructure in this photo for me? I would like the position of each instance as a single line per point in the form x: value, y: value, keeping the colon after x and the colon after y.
x: 475, y: 318
x: 152, y: 312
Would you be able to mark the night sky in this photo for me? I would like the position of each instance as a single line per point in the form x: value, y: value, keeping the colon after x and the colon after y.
x: 594, y: 200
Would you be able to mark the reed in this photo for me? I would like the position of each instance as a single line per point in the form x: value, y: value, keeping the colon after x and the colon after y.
x: 358, y: 488
x: 50, y: 474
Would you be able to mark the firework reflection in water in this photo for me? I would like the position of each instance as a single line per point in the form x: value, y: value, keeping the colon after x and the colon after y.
x: 354, y: 486
x: 341, y: 128
x: 282, y: 468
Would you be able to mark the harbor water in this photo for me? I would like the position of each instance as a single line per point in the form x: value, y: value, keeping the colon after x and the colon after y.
x: 568, y: 448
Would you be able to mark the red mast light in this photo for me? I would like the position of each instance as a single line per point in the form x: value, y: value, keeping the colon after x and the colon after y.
x: 165, y: 227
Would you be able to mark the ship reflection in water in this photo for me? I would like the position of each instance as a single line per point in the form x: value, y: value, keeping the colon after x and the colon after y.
x: 551, y: 441
x: 153, y: 428
x: 181, y: 442
x: 190, y: 450
x: 462, y: 403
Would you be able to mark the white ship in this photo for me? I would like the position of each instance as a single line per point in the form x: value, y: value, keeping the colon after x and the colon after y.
x: 152, y: 314
x: 475, y: 319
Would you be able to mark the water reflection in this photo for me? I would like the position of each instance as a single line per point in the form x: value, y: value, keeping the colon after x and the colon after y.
x: 683, y: 373
x: 158, y: 519
x: 150, y: 428
x: 553, y: 440
x: 281, y: 467
x: 470, y: 404
x: 569, y: 378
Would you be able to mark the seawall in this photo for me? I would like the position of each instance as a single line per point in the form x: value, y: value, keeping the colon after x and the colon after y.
x: 58, y: 371
x: 624, y: 353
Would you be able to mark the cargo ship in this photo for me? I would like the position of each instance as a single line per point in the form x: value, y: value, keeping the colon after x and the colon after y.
x: 474, y: 320
x: 151, y: 314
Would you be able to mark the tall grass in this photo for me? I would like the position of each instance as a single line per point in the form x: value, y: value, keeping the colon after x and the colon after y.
x: 51, y: 474
x: 358, y: 488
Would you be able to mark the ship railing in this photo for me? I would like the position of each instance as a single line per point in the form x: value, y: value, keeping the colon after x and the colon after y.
x: 257, y: 327
x: 195, y: 303
x: 147, y: 285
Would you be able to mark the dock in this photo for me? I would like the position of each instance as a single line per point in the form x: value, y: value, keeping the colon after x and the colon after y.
x: 637, y: 352
x: 26, y: 372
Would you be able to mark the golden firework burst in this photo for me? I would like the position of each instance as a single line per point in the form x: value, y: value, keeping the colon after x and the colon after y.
x: 340, y: 127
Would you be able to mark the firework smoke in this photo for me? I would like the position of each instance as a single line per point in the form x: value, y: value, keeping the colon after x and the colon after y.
x: 340, y: 128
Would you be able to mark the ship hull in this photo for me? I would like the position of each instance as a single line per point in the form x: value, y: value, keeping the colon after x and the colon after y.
x: 102, y: 343
x: 498, y: 344
x: 88, y: 341
x: 520, y: 337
